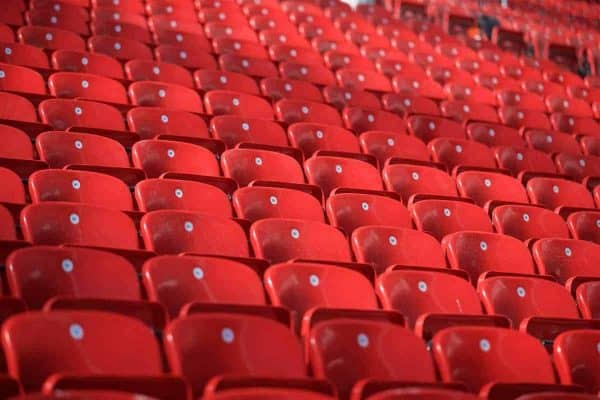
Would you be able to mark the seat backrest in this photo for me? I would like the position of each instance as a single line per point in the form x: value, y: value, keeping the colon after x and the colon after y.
x: 247, y: 165
x: 495, y: 355
x: 553, y: 193
x: 156, y: 157
x: 178, y: 231
x: 278, y: 240
x: 478, y: 252
x: 57, y: 223
x: 565, y: 258
x: 40, y: 344
x: 207, y: 80
x: 236, y: 342
x: 91, y: 63
x: 188, y: 56
x: 349, y: 211
x: 455, y: 152
x: 291, y: 110
x: 577, y: 358
x: 22, y: 54
x: 409, y: 179
x: 119, y: 47
x: 234, y: 129
x: 385, y: 144
x: 149, y: 122
x: 12, y: 190
x: 551, y: 142
x: 367, y: 349
x: 149, y: 70
x: 259, y: 202
x: 87, y: 86
x: 176, y: 281
x: 584, y: 225
x: 316, y: 74
x: 518, y: 159
x: 16, y: 78
x: 457, y: 216
x: 494, y: 134
x: 219, y: 102
x: 522, y: 297
x: 587, y: 295
x: 277, y: 88
x: 311, y: 137
x: 8, y: 230
x: 50, y: 38
x: 361, y: 120
x: 79, y: 187
x: 414, y: 293
x: 167, y: 95
x: 528, y: 222
x: 331, y: 172
x: 66, y: 113
x: 302, y: 286
x: 60, y: 149
x: 15, y: 107
x: 39, y: 273
x: 483, y: 187
x: 384, y: 246
x: 429, y: 127
x: 175, y: 194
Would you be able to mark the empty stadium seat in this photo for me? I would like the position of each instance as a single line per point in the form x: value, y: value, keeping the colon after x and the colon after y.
x: 149, y: 122
x: 587, y: 299
x: 66, y: 113
x: 386, y: 144
x: 409, y: 179
x: 279, y: 240
x: 86, y: 86
x: 148, y: 70
x: 460, y: 152
x: 290, y: 111
x: 176, y: 281
x: 458, y: 216
x: 179, y: 231
x: 258, y: 202
x: 585, y: 225
x: 91, y: 63
x: 168, y: 95
x: 330, y: 172
x: 311, y: 137
x: 50, y: 38
x: 175, y: 194
x: 248, y: 165
x: 220, y: 102
x: 484, y: 187
x: 576, y: 358
x: 554, y: 192
x: 56, y: 223
x: 23, y: 54
x: 360, y: 120
x: 79, y: 187
x: 207, y: 80
x: 551, y: 142
x: 21, y: 79
x: 565, y: 258
x: 528, y: 222
x: 192, y: 57
x: 233, y: 129
x: 520, y: 159
x: 40, y: 273
x: 17, y: 108
x: 429, y: 127
x: 119, y: 48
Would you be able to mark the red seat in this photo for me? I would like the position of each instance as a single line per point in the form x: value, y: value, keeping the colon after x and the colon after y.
x: 87, y: 86
x: 248, y: 66
x: 384, y: 145
x: 91, y: 63
x: 284, y: 52
x: 585, y: 225
x: 551, y: 142
x: 336, y: 60
x: 313, y: 73
x: 67, y: 18
x: 470, y: 93
x: 367, y: 350
x: 207, y: 80
x: 233, y: 129
x: 523, y: 118
x: 167, y: 34
x: 269, y: 394
x: 148, y: 70
x: 480, y: 252
x: 220, y: 102
x: 554, y: 192
x: 518, y: 159
x: 156, y: 157
x: 16, y: 143
x: 175, y: 281
x: 430, y: 393
x: 57, y: 223
x: 409, y: 179
x: 173, y: 194
x: 349, y: 211
x: 60, y: 149
x: 461, y: 152
x: 464, y: 111
x: 417, y: 86
x: 50, y: 38
x: 248, y: 165
x: 119, y: 48
x: 587, y: 299
x: 528, y: 222
x: 576, y: 358
x: 23, y: 54
x: 417, y: 294
x: 360, y: 120
x: 483, y: 187
x: 8, y: 229
x: 253, y: 203
x: 409, y: 105
x: 6, y: 33
x: 458, y: 216
x: 543, y: 88
x: 521, y: 298
x: 575, y: 107
x: 167, y: 95
x: 523, y: 358
x: 311, y: 137
x: 186, y: 56
x: 279, y: 240
x: 40, y: 344
x: 290, y: 111
x: 565, y: 258
x: 385, y: 246
x: 302, y: 286
x: 271, y: 37
x: 494, y: 135
x: 574, y: 125
x: 149, y: 122
x: 361, y: 79
x: 590, y: 145
x: 231, y: 339
x: 330, y: 172
x: 74, y: 186
x: 38, y: 274
x: 21, y: 79
x: 66, y: 113
x: 12, y: 190
x: 523, y: 100
x: 576, y: 166
x: 178, y: 231
x: 121, y: 29
x: 277, y: 89
x: 340, y: 98
x: 429, y: 127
